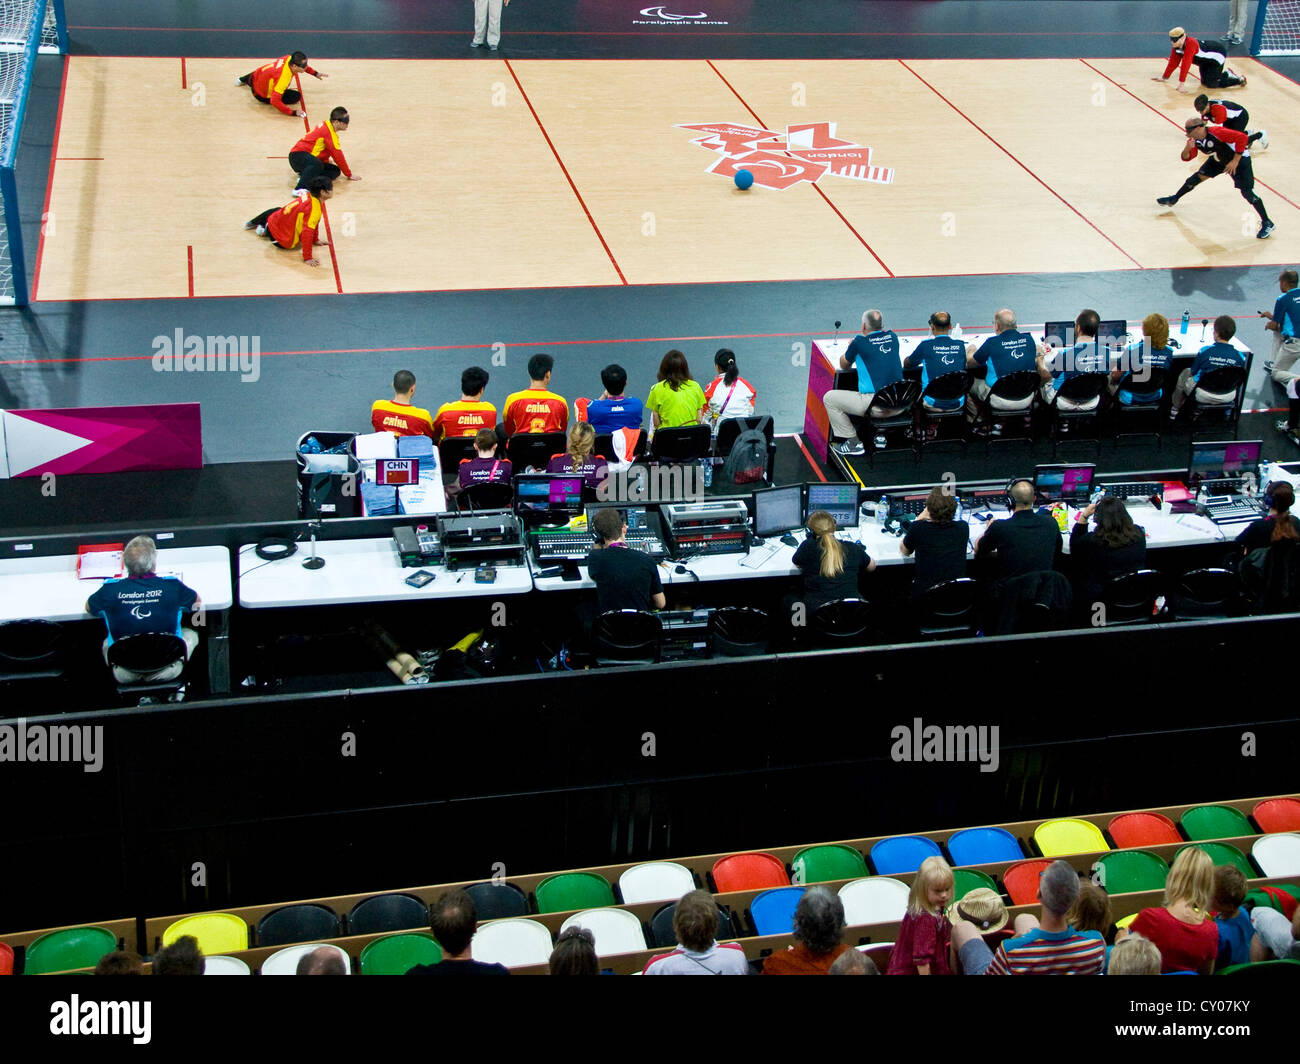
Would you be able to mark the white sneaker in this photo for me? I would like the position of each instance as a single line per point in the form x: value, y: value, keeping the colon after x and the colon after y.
x: 1263, y: 139
x: 261, y: 230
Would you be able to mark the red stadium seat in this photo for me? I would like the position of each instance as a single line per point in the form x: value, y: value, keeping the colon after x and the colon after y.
x: 1021, y: 881
x: 748, y: 871
x: 1278, y: 814
x: 1133, y: 831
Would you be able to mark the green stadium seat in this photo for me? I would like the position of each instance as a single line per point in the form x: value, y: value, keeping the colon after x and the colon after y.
x: 1215, y: 822
x: 573, y: 890
x: 398, y: 954
x: 818, y: 864
x: 1223, y: 853
x: 964, y: 880
x: 1128, y: 871
x: 73, y: 947
x: 1275, y: 967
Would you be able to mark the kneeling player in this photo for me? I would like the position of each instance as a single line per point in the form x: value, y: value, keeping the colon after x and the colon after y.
x: 297, y: 221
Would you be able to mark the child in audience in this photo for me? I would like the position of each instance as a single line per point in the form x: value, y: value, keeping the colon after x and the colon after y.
x: 1091, y: 912
x: 1235, y: 928
x: 486, y: 468
x: 922, y: 945
x: 1135, y: 955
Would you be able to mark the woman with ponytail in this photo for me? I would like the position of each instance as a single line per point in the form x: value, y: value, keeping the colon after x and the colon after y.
x: 1279, y: 525
x: 577, y: 460
x: 830, y: 565
x: 729, y: 394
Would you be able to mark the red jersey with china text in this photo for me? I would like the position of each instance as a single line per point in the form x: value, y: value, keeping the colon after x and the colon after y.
x: 463, y: 418
x: 323, y: 143
x: 535, y: 410
x: 271, y: 79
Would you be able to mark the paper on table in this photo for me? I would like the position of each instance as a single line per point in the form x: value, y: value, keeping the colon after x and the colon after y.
x: 99, y: 565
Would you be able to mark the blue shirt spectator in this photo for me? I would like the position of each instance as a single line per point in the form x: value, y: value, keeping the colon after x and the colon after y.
x: 1286, y: 312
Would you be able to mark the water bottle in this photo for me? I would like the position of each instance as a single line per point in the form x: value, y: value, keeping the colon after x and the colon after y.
x: 1187, y: 317
x: 882, y: 511
x: 1263, y: 476
x: 1202, y: 501
x: 707, y: 463
x: 956, y: 333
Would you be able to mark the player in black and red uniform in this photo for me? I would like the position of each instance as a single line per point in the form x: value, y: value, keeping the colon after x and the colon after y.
x: 1210, y: 57
x: 1229, y: 153
x: 1229, y: 114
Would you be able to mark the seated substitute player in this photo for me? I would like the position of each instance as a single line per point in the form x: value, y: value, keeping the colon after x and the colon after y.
x: 144, y: 602
x: 318, y: 154
x: 270, y: 82
x: 1085, y: 357
x: 485, y: 467
x: 1130, y: 380
x: 1217, y: 355
x: 613, y: 410
x: 939, y: 355
x: 536, y: 408
x: 1229, y: 153
x: 1007, y: 351
x: 297, y: 221
x: 1210, y: 57
x: 875, y: 355
x: 1229, y: 115
x: 468, y: 414
x: 398, y: 415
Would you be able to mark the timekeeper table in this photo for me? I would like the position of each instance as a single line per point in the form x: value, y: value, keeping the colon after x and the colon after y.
x: 48, y: 588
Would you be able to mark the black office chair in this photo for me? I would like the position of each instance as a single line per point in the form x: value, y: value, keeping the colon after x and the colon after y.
x: 686, y: 443
x: 1126, y: 416
x: 1227, y: 380
x: 843, y: 622
x: 30, y: 650
x: 663, y: 936
x: 159, y: 655
x: 627, y: 637
x: 949, y: 610
x: 950, y: 388
x: 1275, y: 589
x: 485, y: 497
x: 304, y: 922
x: 1131, y: 599
x: 1015, y: 389
x: 387, y: 912
x: 738, y: 631
x: 1085, y: 390
x: 1207, y: 594
x: 497, y: 901
x: 533, y: 450
x: 900, y: 397
x: 451, y: 449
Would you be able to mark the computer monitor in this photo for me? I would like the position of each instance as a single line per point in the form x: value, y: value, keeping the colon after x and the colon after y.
x: 1064, y: 483
x: 1058, y: 333
x: 1113, y: 334
x: 548, y: 494
x: 1220, y: 459
x: 778, y: 510
x: 636, y: 517
x: 838, y: 500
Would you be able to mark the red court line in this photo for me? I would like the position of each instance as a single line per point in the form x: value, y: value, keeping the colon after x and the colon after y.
x: 184, y: 83
x: 798, y: 438
x: 1174, y: 123
x: 334, y: 259
x: 49, y: 182
x: 81, y: 158
x: 569, y: 179
x: 189, y: 266
x: 815, y: 188
x: 1020, y: 164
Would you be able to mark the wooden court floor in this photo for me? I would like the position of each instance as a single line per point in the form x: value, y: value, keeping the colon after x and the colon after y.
x: 492, y: 174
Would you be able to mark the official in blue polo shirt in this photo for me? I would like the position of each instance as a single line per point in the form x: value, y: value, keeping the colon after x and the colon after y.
x: 874, y: 354
x: 1007, y: 351
x: 938, y: 356
x: 1130, y: 379
x: 141, y: 603
x: 1284, y: 324
x: 1083, y: 358
x: 1217, y: 355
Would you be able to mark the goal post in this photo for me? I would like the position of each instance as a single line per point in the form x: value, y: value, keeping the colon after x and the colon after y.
x: 27, y: 28
x: 1277, y: 28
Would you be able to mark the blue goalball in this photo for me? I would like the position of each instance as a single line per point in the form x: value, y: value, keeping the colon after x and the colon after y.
x: 744, y: 179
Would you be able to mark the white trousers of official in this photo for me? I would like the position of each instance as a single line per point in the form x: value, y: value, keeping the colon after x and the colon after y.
x: 840, y: 403
x: 1237, y: 18
x: 1285, y: 352
x: 487, y: 20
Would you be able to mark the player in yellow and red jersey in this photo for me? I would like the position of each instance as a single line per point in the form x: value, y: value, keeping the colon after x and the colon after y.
x: 468, y: 415
x: 270, y: 82
x: 536, y: 408
x: 318, y: 153
x: 297, y: 221
x: 398, y: 415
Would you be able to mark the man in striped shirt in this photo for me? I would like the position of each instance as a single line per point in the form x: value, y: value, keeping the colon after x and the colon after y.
x: 1049, y: 946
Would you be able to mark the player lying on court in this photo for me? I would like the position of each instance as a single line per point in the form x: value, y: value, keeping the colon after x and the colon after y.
x: 318, y: 153
x: 1210, y: 57
x: 1229, y: 114
x: 1229, y: 153
x: 270, y: 82
x: 297, y: 221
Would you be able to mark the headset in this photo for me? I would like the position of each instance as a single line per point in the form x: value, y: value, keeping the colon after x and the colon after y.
x: 273, y: 548
x: 1011, y: 505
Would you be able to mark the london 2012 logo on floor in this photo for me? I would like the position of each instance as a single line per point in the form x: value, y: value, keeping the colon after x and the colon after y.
x: 806, y: 152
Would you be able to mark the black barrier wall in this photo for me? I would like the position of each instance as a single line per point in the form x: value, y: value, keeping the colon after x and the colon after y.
x: 286, y: 797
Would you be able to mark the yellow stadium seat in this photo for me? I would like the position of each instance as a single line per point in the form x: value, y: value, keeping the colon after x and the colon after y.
x: 216, y: 932
x: 1057, y: 838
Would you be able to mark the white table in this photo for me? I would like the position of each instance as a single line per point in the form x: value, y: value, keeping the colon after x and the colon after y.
x: 359, y: 571
x: 47, y: 588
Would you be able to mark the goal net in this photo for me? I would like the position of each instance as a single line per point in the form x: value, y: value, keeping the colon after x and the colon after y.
x: 1277, y: 28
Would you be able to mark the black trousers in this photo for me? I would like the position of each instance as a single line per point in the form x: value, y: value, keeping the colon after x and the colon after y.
x: 262, y: 219
x: 308, y: 166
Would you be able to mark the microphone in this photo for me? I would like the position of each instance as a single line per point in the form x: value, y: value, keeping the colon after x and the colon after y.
x: 837, y: 332
x: 1205, y: 324
x: 313, y: 562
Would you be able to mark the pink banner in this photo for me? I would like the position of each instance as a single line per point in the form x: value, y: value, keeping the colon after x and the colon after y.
x: 103, y: 439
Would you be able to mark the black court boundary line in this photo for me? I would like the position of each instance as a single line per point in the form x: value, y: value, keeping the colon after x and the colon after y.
x: 1173, y: 123
x: 819, y: 192
x: 1022, y: 166
x: 565, y: 170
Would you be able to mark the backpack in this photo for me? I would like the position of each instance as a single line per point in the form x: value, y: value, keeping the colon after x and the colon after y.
x: 747, y: 462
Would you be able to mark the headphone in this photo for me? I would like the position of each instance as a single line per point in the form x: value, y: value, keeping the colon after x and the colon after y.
x: 273, y: 548
x: 1011, y: 505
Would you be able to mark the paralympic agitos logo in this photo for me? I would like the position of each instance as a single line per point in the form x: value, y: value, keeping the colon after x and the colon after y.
x: 661, y: 16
